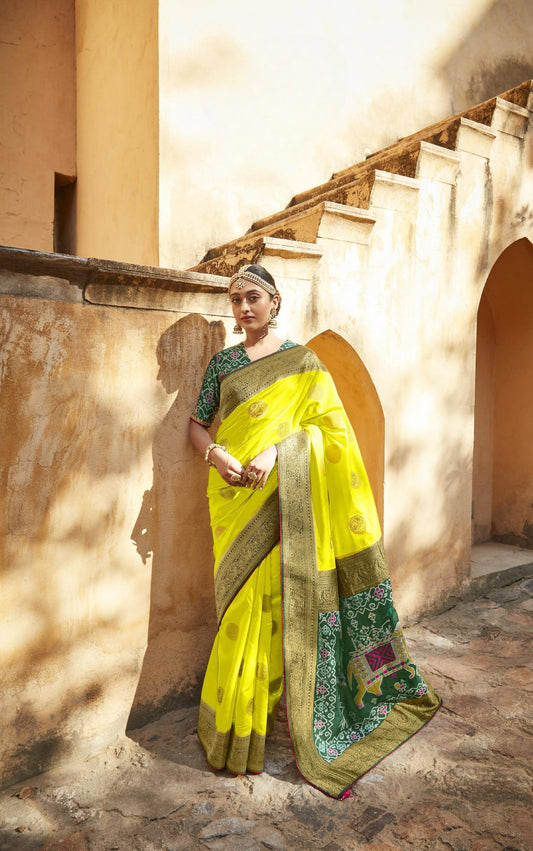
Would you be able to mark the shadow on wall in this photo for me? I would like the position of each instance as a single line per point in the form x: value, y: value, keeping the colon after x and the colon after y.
x: 173, y: 528
x: 472, y: 79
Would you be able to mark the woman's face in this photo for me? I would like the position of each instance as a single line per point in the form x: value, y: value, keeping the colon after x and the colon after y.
x: 251, y: 306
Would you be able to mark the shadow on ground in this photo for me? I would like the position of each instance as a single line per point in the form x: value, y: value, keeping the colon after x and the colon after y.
x: 463, y: 783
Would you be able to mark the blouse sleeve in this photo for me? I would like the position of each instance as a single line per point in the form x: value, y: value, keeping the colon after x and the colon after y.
x: 209, y: 397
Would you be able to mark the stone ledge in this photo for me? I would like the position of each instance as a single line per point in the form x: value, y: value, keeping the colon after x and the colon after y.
x: 61, y: 277
x: 47, y: 287
x: 394, y: 192
x: 479, y: 585
x: 345, y: 224
x: 273, y: 246
x: 41, y: 263
x: 125, y: 274
x: 475, y: 138
x: 287, y: 264
x: 510, y: 118
x: 152, y: 298
x: 436, y: 163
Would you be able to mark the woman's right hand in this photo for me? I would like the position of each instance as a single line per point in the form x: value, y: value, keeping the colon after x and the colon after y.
x: 227, y: 466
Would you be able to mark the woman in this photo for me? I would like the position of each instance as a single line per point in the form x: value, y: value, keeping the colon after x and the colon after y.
x: 301, y: 583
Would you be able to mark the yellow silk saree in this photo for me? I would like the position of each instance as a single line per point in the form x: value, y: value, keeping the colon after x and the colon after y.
x: 302, y: 589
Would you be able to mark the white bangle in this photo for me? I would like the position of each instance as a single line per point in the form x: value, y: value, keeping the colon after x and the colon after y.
x: 210, y: 449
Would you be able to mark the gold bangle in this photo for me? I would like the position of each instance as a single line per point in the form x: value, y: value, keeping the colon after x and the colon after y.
x: 210, y: 449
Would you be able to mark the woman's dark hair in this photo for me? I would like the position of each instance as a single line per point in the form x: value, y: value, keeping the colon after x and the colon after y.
x: 256, y: 269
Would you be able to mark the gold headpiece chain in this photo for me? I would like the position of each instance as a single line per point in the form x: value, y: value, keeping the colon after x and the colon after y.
x: 243, y: 275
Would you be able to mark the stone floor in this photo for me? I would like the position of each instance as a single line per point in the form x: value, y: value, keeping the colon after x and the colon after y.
x: 464, y: 783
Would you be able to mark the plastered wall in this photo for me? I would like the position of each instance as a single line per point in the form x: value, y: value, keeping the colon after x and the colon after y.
x: 117, y: 130
x: 96, y: 626
x: 37, y: 116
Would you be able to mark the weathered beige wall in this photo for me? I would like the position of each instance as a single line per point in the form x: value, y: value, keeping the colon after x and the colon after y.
x: 256, y: 107
x: 89, y: 422
x: 484, y: 425
x: 37, y: 116
x: 117, y: 129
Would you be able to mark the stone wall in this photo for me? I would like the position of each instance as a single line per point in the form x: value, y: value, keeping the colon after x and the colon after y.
x: 95, y: 626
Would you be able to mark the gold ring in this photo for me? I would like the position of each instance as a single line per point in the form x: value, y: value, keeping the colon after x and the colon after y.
x: 252, y: 475
x: 235, y: 477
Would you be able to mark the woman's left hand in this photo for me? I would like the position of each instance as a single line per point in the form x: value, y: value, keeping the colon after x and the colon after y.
x: 258, y: 470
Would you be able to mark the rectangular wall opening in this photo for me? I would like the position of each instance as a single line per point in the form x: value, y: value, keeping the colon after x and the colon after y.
x: 64, y: 214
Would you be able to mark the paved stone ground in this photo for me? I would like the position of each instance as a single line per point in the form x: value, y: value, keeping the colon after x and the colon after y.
x: 464, y: 783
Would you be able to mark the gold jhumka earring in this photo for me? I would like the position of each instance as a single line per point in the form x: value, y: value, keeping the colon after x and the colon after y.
x: 272, y: 322
x: 237, y: 329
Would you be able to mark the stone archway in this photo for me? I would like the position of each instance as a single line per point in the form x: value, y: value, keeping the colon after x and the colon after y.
x: 503, y: 432
x: 361, y: 402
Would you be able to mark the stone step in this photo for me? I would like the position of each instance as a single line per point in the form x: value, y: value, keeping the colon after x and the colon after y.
x: 414, y: 156
x: 401, y: 157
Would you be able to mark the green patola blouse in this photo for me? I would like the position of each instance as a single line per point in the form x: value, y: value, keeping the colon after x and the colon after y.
x: 221, y: 364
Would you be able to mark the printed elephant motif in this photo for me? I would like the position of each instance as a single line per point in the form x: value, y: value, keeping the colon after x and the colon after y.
x: 370, y: 666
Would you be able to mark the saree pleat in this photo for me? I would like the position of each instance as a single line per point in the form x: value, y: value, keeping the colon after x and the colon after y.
x: 302, y: 589
x: 244, y: 678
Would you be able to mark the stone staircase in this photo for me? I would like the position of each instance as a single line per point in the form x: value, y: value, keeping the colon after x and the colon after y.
x: 350, y: 195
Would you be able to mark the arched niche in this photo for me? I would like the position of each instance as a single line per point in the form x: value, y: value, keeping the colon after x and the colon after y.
x: 503, y: 431
x: 361, y: 402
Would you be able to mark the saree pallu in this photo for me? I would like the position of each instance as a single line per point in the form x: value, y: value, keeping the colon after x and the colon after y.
x: 302, y: 589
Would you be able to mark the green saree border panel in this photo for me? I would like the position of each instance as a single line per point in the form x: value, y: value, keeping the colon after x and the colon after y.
x: 305, y: 592
x: 246, y: 552
x: 244, y: 383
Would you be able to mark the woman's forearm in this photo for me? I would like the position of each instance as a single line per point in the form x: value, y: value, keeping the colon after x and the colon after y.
x: 199, y: 436
x: 200, y: 439
x: 229, y: 468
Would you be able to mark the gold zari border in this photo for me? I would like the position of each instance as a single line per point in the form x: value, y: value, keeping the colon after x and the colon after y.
x: 228, y: 750
x: 244, y: 383
x: 299, y: 597
x: 362, y: 570
x: 328, y: 591
x: 246, y: 551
